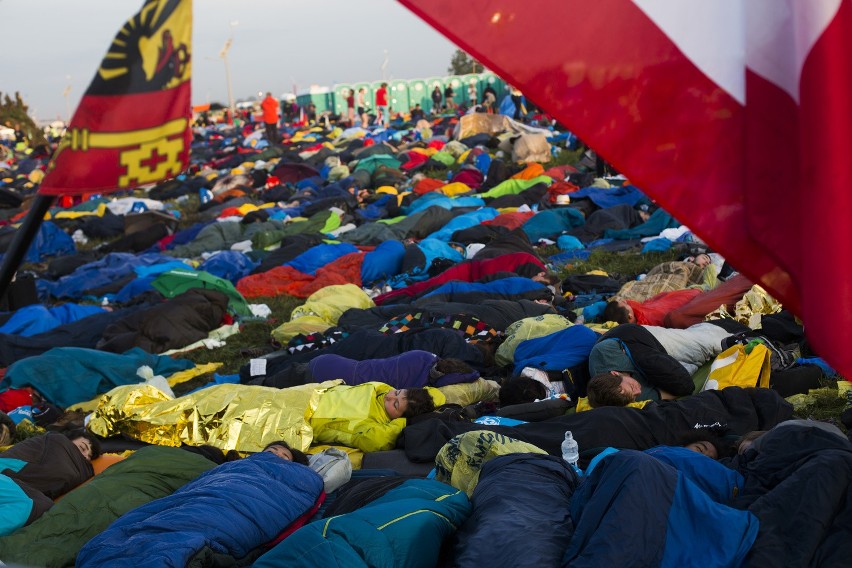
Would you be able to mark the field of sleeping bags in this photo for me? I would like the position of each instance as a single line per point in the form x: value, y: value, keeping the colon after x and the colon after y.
x: 429, y: 346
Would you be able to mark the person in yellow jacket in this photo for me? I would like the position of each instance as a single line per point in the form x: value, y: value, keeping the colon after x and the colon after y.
x: 369, y: 416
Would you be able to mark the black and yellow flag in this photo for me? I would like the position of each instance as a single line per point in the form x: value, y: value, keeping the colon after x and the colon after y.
x: 132, y: 125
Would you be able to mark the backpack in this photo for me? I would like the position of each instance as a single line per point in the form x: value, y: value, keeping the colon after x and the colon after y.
x: 781, y: 356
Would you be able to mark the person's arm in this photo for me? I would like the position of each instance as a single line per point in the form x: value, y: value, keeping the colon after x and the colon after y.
x: 665, y: 373
x: 366, y: 435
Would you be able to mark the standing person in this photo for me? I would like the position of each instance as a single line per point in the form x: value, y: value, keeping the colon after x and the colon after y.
x: 382, y: 104
x: 518, y: 101
x: 471, y: 93
x: 362, y: 107
x: 489, y: 96
x: 437, y: 97
x: 270, y: 117
x: 448, y: 97
x: 350, y: 107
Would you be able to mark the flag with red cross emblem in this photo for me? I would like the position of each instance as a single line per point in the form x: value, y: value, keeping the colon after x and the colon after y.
x: 132, y: 126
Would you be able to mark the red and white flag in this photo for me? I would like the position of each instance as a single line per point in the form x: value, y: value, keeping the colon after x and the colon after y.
x: 734, y: 115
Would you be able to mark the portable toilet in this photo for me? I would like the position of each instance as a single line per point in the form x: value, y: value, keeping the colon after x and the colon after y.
x: 398, y: 96
x: 466, y: 95
x: 340, y: 93
x: 322, y: 97
x: 420, y: 94
x: 459, y: 91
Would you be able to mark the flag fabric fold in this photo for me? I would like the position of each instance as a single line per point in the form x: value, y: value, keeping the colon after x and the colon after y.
x: 132, y: 125
x: 733, y: 115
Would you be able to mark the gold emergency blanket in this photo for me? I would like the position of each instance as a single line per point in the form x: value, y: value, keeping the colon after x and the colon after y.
x: 230, y: 417
x: 461, y: 459
x: 755, y: 303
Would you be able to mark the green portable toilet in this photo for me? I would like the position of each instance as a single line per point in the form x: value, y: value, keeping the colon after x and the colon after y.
x: 420, y: 94
x: 431, y: 82
x: 340, y: 93
x: 459, y: 92
x: 322, y: 98
x: 398, y: 96
x: 477, y: 88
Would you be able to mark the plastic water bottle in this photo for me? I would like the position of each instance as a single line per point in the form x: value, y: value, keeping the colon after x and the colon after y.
x: 571, y: 452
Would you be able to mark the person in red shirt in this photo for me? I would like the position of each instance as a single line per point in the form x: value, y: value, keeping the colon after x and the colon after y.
x: 350, y: 107
x: 270, y: 117
x: 382, y: 104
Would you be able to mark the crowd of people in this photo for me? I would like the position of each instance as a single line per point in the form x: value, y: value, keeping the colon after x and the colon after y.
x: 436, y: 330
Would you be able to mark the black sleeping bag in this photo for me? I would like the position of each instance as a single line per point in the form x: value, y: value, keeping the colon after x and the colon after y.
x: 734, y: 409
x: 798, y: 483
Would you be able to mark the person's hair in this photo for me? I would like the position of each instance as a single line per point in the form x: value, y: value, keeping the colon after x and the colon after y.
x: 452, y: 366
x: 81, y: 433
x: 551, y: 278
x: 616, y: 313
x: 212, y: 453
x: 488, y: 348
x: 298, y: 456
x: 521, y: 391
x: 604, y: 389
x: 419, y: 402
x: 384, y: 84
x: 749, y: 437
x: 723, y: 448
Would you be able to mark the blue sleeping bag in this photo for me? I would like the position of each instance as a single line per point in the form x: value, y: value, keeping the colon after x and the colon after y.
x: 463, y: 222
x: 320, y: 255
x: 635, y: 510
x: 35, y: 319
x: 506, y: 288
x: 404, y: 527
x: 557, y: 351
x: 67, y: 375
x: 382, y: 262
x: 552, y: 223
x: 230, y: 509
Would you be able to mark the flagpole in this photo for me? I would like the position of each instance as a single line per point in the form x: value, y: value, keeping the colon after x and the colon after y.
x: 23, y: 238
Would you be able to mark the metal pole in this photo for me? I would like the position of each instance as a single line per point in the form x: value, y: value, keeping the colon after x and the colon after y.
x: 23, y: 238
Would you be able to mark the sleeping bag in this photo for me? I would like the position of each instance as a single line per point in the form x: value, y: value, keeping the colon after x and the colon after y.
x: 229, y: 510
x: 150, y: 473
x: 404, y: 527
x: 33, y: 473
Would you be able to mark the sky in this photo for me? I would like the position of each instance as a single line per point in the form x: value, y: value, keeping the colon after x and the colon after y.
x: 277, y: 44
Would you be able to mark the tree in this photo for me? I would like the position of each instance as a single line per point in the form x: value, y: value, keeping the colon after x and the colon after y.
x: 16, y: 112
x: 461, y: 64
